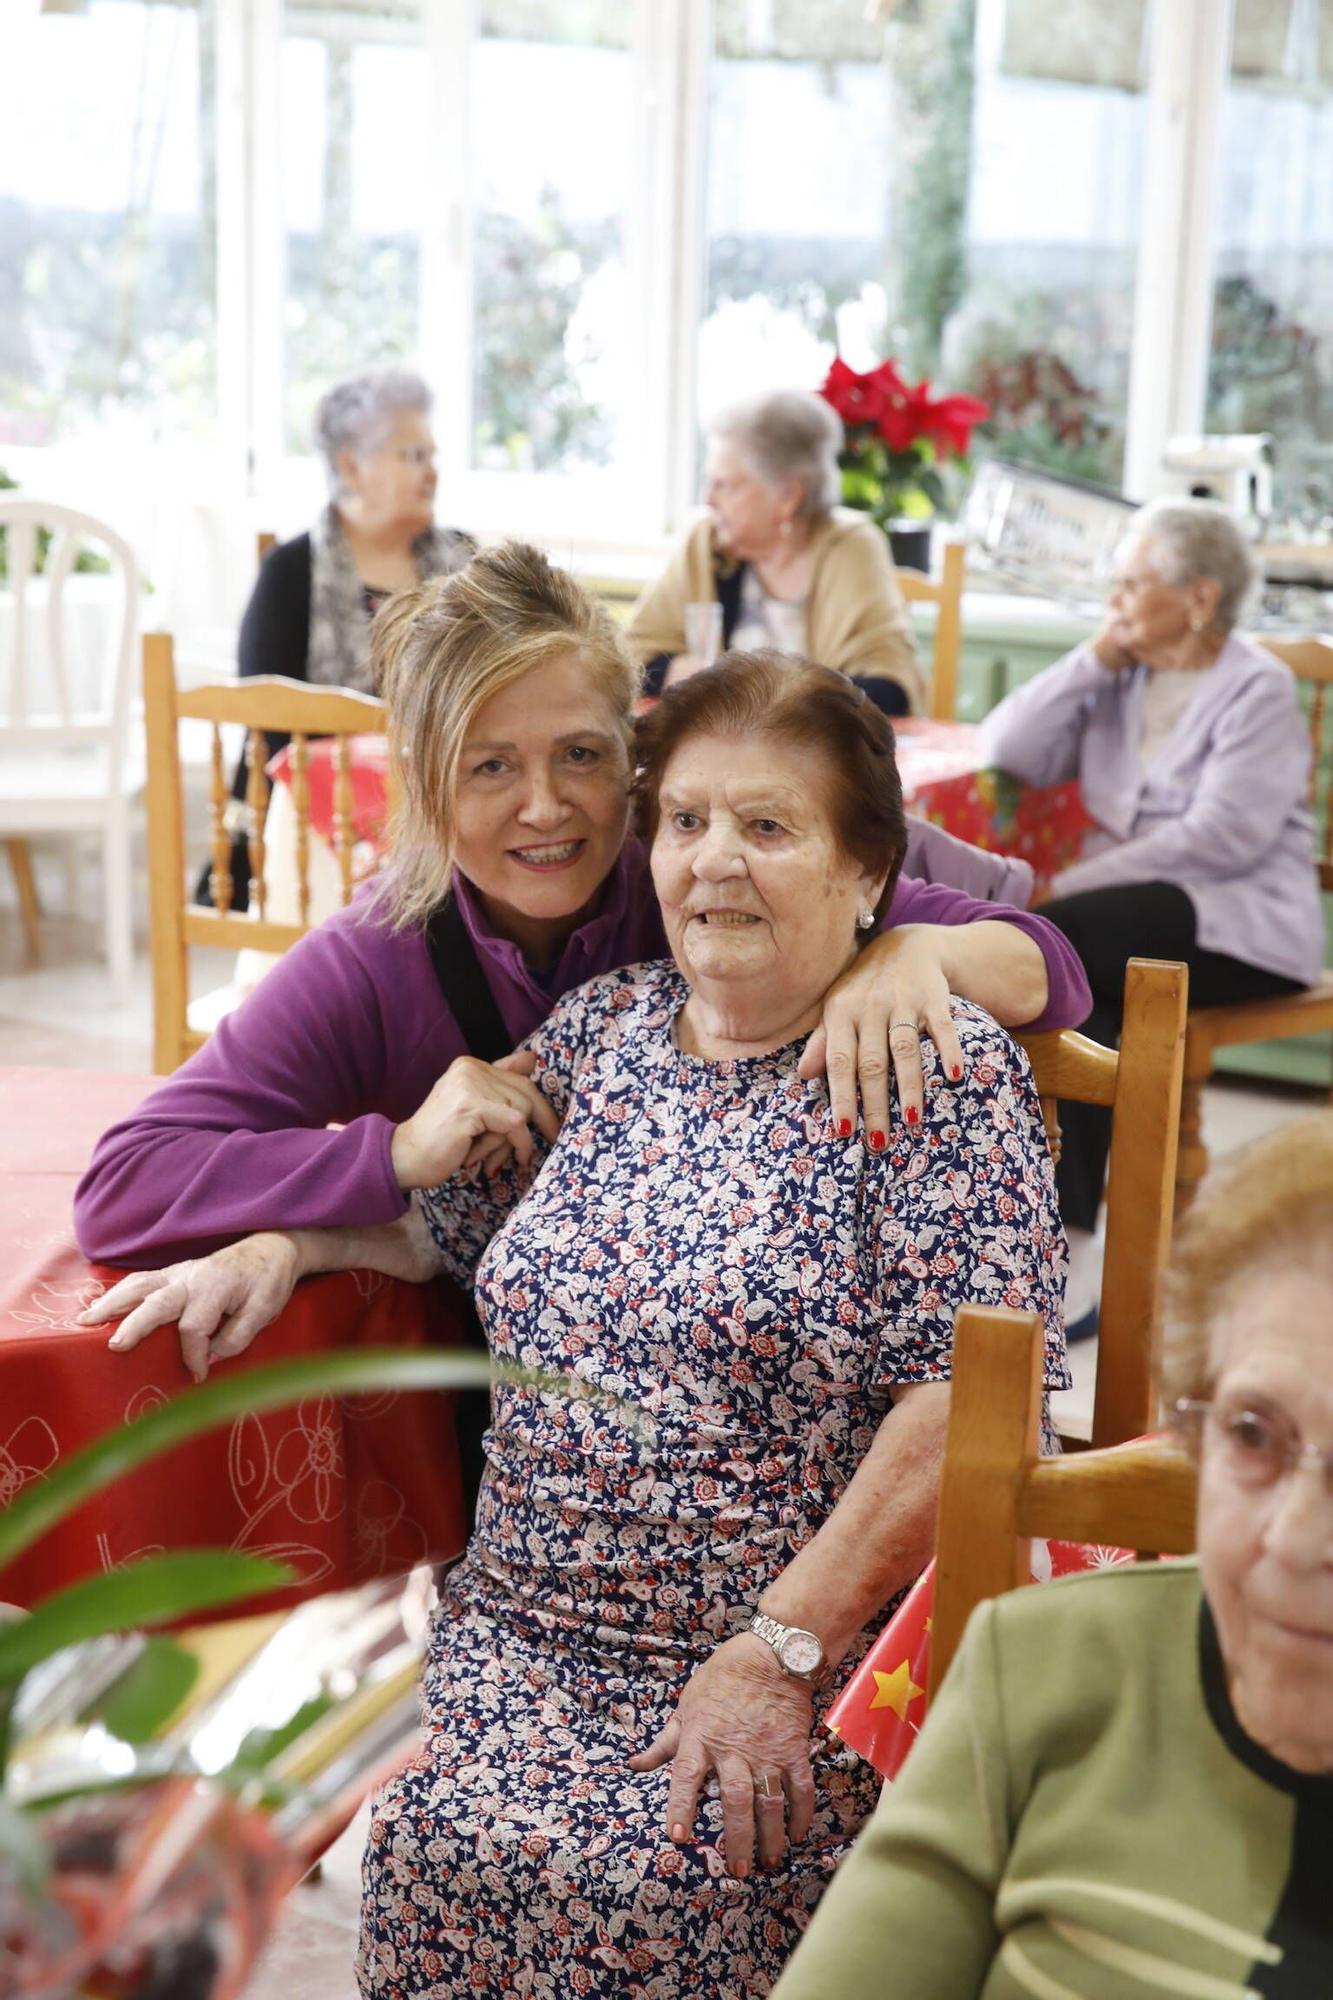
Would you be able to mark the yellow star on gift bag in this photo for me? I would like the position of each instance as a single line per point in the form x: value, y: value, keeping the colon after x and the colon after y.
x: 896, y: 1690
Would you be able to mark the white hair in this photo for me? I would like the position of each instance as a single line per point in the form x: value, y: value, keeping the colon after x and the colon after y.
x: 1191, y: 539
x: 358, y: 414
x: 788, y: 434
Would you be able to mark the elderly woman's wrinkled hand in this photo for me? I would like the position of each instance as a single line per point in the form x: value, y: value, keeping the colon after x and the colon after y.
x: 894, y: 993
x: 1108, y: 644
x: 742, y: 1717
x: 218, y: 1303
x: 478, y: 1114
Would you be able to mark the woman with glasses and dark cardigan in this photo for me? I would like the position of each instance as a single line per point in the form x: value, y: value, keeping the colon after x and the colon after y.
x: 309, y: 613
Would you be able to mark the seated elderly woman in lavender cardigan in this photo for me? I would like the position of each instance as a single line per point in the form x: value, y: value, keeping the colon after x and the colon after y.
x: 1195, y: 765
x: 636, y: 1614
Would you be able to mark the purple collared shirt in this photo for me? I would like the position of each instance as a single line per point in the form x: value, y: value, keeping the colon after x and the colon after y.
x: 350, y: 1031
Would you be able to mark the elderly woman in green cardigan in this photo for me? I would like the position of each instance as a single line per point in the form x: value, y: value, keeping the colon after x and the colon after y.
x: 1126, y: 1784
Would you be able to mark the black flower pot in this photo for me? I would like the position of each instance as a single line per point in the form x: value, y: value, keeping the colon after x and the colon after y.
x: 910, y: 543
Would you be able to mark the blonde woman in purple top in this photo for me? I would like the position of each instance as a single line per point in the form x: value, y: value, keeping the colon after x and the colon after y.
x: 510, y: 693
x: 1194, y: 760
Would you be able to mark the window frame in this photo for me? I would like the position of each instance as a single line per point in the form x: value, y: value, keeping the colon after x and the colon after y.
x: 1189, y: 43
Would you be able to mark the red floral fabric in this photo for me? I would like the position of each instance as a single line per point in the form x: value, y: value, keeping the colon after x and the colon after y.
x: 340, y: 1491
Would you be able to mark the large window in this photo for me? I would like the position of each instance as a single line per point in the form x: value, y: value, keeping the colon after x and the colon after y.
x: 591, y: 222
x: 107, y: 224
x: 551, y: 333
x: 889, y: 189
x: 1271, y: 360
x: 353, y: 115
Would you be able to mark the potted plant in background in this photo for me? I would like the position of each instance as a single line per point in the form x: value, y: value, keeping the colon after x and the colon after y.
x: 159, y: 1796
x: 897, y: 436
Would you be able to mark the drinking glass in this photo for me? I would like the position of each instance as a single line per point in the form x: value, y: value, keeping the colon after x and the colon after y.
x: 703, y: 631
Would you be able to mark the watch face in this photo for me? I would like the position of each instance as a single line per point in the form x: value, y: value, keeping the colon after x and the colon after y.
x: 802, y: 1653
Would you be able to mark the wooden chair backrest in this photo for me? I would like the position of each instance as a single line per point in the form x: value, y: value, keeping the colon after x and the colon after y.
x: 1311, y: 660
x: 1141, y: 1086
x: 997, y: 1493
x: 946, y: 594
x: 261, y: 705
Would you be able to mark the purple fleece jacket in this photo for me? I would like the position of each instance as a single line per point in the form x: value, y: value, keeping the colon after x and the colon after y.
x: 350, y: 1031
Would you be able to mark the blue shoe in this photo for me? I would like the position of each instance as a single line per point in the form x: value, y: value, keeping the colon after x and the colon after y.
x: 1083, y: 1328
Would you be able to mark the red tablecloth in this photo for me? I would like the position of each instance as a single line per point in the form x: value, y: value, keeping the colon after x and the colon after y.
x: 943, y: 778
x: 945, y: 781
x: 341, y: 1491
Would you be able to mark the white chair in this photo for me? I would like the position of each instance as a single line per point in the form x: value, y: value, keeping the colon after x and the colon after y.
x: 70, y: 761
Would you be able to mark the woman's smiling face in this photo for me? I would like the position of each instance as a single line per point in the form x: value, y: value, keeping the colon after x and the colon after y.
x: 759, y: 900
x: 543, y: 799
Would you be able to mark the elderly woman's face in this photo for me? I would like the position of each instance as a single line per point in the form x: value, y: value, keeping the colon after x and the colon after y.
x: 748, y: 514
x: 1149, y: 616
x: 756, y: 893
x: 1265, y: 1527
x: 394, y: 485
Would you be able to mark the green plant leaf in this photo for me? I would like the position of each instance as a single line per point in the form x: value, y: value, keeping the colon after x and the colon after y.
x: 150, y: 1691
x: 22, y: 1850
x: 353, y: 1372
x: 195, y: 1411
x: 144, y: 1593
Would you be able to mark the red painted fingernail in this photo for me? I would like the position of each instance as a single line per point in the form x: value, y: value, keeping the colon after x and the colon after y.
x: 877, y: 1142
x: 844, y: 1128
x: 955, y: 1071
x: 912, y: 1114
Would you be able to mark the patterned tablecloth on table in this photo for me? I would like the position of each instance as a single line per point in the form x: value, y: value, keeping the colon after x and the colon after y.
x: 340, y: 1491
x: 943, y: 781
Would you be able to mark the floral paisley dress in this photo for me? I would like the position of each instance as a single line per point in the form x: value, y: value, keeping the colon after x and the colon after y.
x: 699, y: 1244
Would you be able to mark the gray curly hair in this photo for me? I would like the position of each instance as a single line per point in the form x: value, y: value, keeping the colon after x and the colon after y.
x: 358, y: 414
x: 1190, y: 539
x: 788, y: 434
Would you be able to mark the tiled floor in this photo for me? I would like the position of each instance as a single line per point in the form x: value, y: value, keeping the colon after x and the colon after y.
x: 309, y: 1956
x: 59, y: 1013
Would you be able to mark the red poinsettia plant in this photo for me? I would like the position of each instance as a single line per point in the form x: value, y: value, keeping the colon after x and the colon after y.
x: 897, y: 434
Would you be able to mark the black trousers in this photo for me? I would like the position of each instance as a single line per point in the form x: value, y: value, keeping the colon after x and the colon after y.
x: 1108, y: 927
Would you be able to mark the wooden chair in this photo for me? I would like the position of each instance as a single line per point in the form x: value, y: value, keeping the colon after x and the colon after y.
x: 1141, y: 1086
x: 25, y: 883
x: 261, y: 705
x: 1311, y: 1012
x: 996, y: 1492
x: 70, y: 763
x: 945, y: 592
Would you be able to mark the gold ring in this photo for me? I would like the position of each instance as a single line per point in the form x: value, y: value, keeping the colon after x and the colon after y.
x: 764, y: 1787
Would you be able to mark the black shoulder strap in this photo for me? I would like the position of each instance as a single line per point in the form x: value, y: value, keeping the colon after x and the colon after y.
x: 463, y: 983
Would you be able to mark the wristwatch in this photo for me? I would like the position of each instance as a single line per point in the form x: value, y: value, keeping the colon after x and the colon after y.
x: 799, y: 1653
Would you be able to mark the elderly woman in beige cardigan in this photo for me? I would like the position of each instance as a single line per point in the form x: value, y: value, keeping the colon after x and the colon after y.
x: 788, y: 568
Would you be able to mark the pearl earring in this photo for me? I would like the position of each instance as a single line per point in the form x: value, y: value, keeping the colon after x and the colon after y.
x: 1196, y: 624
x: 785, y: 531
x: 864, y: 919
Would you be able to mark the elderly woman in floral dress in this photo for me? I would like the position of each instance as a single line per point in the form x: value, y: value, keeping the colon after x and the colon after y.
x: 624, y: 1679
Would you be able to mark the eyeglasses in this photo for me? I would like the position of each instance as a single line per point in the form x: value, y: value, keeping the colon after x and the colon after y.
x: 1258, y: 1448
